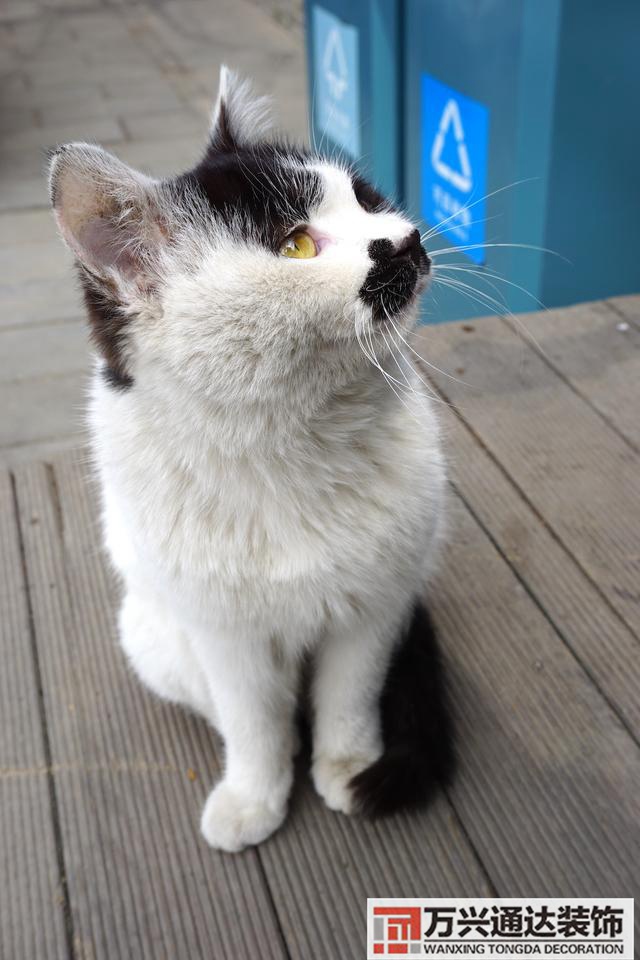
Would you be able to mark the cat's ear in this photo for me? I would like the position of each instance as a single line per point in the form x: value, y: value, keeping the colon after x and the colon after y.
x: 108, y: 214
x: 239, y: 117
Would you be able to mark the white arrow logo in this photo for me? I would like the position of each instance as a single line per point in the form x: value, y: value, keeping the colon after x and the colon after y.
x: 460, y: 179
x: 335, y: 65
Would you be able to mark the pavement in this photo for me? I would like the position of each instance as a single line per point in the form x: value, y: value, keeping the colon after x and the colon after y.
x: 138, y: 78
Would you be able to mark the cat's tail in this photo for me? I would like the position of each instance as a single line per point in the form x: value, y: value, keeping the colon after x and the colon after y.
x: 416, y: 727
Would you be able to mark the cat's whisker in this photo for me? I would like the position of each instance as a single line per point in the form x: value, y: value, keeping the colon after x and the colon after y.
x: 366, y: 345
x: 376, y: 362
x: 400, y: 352
x: 365, y: 351
x: 468, y: 206
x: 487, y: 279
x: 373, y: 357
x: 422, y: 359
x: 472, y: 223
x: 390, y: 381
x: 494, y: 305
x: 426, y: 385
x: 392, y: 354
x: 480, y: 296
x: 485, y: 274
x: 486, y: 246
x: 384, y: 283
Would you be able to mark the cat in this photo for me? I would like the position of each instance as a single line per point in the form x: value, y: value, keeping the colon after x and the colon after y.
x: 270, y: 491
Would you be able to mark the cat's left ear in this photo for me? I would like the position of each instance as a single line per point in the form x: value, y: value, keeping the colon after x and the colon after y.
x: 239, y: 117
x: 114, y: 219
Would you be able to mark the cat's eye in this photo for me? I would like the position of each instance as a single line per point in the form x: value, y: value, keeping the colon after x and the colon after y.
x: 299, y: 245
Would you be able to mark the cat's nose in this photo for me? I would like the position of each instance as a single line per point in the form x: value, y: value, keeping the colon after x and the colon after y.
x: 408, y: 250
x: 411, y: 249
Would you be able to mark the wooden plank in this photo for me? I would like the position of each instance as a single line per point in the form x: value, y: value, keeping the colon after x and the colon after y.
x: 549, y: 780
x: 579, y: 475
x: 29, y: 873
x: 528, y: 721
x: 142, y: 883
x: 32, y: 898
x: 627, y: 307
x: 21, y: 743
x: 315, y: 842
x: 322, y: 866
x: 598, y: 354
x: 595, y: 633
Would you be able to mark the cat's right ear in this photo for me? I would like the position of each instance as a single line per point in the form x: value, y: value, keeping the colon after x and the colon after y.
x: 239, y: 117
x: 109, y: 215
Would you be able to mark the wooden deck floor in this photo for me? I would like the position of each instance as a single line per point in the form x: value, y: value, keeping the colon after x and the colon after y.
x: 538, y: 605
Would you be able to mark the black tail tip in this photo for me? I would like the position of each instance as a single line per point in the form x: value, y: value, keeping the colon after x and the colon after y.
x: 419, y: 745
x: 397, y: 783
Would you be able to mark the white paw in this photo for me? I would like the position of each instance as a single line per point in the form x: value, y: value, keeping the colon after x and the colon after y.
x: 332, y: 775
x: 232, y: 820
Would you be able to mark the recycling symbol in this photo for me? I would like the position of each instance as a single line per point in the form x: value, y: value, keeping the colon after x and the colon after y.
x: 334, y: 62
x: 450, y: 120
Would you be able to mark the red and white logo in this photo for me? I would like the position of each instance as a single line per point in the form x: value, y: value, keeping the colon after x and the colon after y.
x: 397, y: 930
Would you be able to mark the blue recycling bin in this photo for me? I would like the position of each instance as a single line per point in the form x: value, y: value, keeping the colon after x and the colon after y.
x: 515, y: 123
x: 531, y: 105
x: 354, y: 65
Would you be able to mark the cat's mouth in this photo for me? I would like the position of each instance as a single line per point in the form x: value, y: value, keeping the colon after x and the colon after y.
x: 399, y: 274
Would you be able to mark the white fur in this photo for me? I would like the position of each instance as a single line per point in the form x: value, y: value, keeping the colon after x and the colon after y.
x: 266, y: 493
x: 251, y: 115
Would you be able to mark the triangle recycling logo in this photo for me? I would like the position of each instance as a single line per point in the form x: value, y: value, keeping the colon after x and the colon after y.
x: 335, y: 65
x: 451, y: 121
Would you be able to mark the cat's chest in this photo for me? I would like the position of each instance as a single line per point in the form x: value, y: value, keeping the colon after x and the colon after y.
x: 315, y: 513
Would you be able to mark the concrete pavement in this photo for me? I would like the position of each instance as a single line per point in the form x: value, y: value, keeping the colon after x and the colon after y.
x: 138, y: 78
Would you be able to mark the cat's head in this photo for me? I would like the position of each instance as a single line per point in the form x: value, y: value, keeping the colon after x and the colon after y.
x: 258, y: 263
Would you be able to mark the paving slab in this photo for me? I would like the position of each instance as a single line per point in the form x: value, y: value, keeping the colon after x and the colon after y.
x: 140, y: 79
x: 39, y: 300
x: 53, y: 350
x: 46, y: 408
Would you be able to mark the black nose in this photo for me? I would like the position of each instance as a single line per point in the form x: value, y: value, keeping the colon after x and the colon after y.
x: 409, y: 250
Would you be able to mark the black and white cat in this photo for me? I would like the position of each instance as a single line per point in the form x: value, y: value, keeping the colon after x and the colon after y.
x: 269, y: 490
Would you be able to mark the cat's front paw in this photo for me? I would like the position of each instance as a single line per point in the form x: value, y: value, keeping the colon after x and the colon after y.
x: 231, y: 820
x: 332, y: 775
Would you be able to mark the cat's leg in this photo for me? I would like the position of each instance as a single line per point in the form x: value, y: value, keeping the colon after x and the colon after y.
x: 161, y: 654
x: 255, y: 690
x: 349, y: 676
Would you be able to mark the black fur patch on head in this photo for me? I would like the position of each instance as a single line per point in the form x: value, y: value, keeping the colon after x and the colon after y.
x: 108, y: 325
x: 266, y: 188
x: 391, y: 282
x: 367, y: 196
x: 222, y: 138
x: 264, y: 191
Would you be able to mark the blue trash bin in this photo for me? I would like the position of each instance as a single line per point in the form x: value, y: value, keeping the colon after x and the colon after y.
x: 532, y: 104
x: 354, y: 65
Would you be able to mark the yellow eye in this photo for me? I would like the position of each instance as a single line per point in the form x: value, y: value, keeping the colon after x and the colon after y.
x: 299, y: 245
